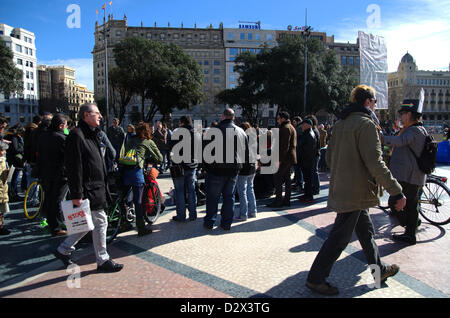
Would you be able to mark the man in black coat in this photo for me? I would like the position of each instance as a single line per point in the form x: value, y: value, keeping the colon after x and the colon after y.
x: 50, y: 163
x: 87, y: 177
x: 308, y: 158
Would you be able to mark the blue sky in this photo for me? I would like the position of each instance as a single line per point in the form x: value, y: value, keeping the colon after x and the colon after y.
x: 421, y: 27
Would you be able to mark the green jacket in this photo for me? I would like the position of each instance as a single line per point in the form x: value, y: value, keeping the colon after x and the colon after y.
x: 146, y: 149
x: 357, y: 169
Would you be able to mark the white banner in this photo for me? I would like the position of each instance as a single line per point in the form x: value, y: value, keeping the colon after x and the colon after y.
x: 373, y: 66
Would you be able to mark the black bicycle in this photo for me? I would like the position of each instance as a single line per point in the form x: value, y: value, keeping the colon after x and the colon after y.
x: 121, y: 215
x: 434, y: 200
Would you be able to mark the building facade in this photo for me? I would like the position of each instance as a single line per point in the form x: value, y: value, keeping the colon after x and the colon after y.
x: 58, y: 90
x: 205, y: 45
x: 407, y: 82
x: 247, y: 38
x: 23, y: 106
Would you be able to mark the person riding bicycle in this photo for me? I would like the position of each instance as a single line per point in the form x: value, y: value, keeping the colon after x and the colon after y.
x: 133, y: 175
x: 403, y: 165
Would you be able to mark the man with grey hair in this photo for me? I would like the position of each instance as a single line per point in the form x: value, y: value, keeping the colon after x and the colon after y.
x: 86, y: 172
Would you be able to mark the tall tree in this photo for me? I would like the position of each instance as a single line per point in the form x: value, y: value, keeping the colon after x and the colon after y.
x: 122, y: 91
x: 11, y: 78
x: 276, y: 76
x: 142, y: 60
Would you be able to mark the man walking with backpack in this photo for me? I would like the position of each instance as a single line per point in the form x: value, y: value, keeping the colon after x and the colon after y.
x: 408, y: 145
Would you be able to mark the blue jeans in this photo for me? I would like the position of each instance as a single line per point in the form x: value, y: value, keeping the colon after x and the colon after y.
x: 216, y: 186
x: 247, y: 197
x: 183, y: 184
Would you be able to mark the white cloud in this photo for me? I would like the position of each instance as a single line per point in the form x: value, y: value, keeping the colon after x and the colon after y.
x: 423, y: 31
x: 83, y: 69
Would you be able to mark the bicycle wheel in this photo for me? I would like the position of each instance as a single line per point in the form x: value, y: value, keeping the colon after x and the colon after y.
x: 34, y: 198
x: 114, y: 216
x: 151, y: 202
x: 434, y: 202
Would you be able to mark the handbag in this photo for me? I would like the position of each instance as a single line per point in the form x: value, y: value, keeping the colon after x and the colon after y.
x: 176, y: 171
x: 77, y: 219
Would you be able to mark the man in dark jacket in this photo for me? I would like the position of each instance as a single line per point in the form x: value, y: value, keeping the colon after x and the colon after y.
x: 308, y: 158
x: 184, y: 170
x: 86, y: 172
x: 50, y: 162
x: 288, y: 157
x: 222, y: 171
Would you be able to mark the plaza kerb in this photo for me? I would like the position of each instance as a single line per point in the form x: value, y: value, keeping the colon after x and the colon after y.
x: 213, y: 151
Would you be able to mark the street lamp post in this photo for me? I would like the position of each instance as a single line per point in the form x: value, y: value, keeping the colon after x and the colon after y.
x: 106, y: 72
x: 306, y: 34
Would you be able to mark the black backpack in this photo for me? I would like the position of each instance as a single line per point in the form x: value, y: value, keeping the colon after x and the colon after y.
x: 427, y: 159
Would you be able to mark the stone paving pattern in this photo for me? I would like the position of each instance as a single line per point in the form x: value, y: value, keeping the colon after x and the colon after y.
x: 268, y: 256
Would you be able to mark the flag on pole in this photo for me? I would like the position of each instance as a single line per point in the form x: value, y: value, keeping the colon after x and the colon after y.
x: 104, y: 5
x: 96, y: 11
x: 110, y: 3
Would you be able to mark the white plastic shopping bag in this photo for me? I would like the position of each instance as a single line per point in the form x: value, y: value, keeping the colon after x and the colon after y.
x: 77, y: 219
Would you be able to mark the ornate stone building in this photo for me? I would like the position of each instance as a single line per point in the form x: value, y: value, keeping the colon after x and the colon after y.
x: 205, y: 45
x: 407, y: 82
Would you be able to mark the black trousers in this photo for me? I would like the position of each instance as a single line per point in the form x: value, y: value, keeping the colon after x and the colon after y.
x: 338, y: 239
x: 308, y: 177
x: 410, y: 214
x: 54, y: 190
x: 283, y: 175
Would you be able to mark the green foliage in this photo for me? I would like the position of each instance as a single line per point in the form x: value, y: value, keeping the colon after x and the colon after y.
x: 162, y: 74
x: 276, y: 76
x: 10, y: 76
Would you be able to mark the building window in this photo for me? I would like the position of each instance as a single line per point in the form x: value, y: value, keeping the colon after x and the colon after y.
x: 205, y: 71
x: 230, y: 35
x: 242, y: 36
x: 216, y: 62
x: 7, y: 108
x: 19, y: 62
x: 216, y: 80
x: 250, y: 36
x: 232, y: 78
x: 231, y: 69
x: 350, y: 60
x: 19, y: 48
x: 206, y: 80
x: 269, y: 37
x: 257, y: 37
x: 216, y: 71
x: 344, y: 60
x: 234, y: 51
x: 206, y: 62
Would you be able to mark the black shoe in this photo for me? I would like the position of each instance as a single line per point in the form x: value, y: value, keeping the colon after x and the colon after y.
x: 405, y: 238
x: 192, y: 218
x: 324, y: 288
x: 226, y: 228
x: 144, y: 231
x: 288, y: 204
x: 109, y: 267
x: 177, y: 219
x: 275, y: 204
x: 306, y: 199
x: 66, y: 259
x: 208, y: 226
x: 4, y: 231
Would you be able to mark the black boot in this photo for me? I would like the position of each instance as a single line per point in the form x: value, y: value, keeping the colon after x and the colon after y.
x: 140, y: 224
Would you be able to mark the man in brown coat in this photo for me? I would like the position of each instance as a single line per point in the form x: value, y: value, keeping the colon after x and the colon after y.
x: 288, y: 157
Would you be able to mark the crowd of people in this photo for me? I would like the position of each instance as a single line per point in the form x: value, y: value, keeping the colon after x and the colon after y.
x: 62, y: 155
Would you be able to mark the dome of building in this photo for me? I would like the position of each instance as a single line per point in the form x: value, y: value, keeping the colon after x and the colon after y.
x: 407, y: 58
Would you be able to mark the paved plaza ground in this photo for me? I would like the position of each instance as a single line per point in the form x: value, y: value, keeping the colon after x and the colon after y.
x: 265, y: 257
